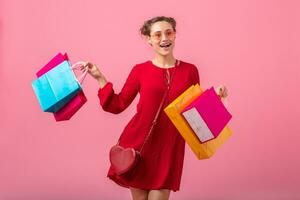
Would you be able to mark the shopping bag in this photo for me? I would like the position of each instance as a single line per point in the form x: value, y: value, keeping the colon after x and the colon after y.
x: 56, y: 87
x: 56, y: 60
x: 207, y: 115
x: 173, y: 111
x: 68, y: 110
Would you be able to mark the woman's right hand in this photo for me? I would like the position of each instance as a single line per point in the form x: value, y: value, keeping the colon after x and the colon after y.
x: 95, y: 73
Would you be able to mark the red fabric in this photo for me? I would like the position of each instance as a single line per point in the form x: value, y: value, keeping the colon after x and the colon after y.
x: 163, y: 154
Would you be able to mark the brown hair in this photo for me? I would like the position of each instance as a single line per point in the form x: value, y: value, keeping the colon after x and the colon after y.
x: 146, y: 28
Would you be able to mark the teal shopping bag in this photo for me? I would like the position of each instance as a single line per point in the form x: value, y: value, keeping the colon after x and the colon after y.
x: 56, y: 87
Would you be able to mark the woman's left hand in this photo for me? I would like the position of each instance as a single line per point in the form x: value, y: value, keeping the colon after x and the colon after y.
x: 222, y: 91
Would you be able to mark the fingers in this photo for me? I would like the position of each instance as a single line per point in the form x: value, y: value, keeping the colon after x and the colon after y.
x: 222, y: 91
x: 87, y: 66
x: 82, y: 67
x: 90, y: 65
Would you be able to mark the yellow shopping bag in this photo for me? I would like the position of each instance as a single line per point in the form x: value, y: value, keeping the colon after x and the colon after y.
x: 173, y: 111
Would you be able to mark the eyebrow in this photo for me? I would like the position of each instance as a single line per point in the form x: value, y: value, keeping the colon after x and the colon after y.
x: 161, y: 31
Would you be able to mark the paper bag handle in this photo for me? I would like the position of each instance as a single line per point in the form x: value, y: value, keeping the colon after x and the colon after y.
x: 78, y: 65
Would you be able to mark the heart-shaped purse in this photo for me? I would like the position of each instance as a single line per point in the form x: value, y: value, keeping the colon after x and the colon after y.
x: 123, y: 159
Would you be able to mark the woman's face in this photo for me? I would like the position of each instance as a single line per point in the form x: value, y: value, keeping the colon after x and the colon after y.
x: 162, y: 38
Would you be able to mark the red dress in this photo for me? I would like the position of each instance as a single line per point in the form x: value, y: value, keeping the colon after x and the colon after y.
x: 163, y: 154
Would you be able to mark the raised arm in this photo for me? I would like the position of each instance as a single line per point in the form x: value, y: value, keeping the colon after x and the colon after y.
x: 118, y: 102
x: 109, y: 100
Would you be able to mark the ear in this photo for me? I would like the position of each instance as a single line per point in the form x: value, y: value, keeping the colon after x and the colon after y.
x: 149, y: 40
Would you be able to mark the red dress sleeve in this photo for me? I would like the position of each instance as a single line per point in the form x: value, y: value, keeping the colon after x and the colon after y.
x: 195, y: 75
x: 116, y: 103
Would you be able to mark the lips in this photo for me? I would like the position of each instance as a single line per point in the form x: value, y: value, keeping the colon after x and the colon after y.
x: 165, y: 45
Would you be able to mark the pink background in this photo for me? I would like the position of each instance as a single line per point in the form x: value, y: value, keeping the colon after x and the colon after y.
x: 251, y: 46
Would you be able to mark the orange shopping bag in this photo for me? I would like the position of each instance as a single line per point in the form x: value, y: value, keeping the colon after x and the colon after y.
x: 173, y: 111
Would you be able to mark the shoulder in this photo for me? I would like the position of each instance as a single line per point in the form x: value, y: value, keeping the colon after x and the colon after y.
x: 193, y: 72
x: 189, y: 66
x: 143, y: 63
x: 139, y: 66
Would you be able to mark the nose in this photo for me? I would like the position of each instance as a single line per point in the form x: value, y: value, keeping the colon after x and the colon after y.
x: 163, y: 37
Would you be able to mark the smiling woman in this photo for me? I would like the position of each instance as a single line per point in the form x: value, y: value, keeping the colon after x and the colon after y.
x: 161, y: 34
x: 160, y: 167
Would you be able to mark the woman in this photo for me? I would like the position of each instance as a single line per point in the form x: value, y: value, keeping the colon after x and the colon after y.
x: 160, y: 168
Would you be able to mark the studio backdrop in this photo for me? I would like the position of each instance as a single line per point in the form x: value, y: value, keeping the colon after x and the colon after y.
x: 250, y: 46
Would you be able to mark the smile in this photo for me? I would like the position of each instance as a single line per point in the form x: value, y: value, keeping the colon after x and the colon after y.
x: 165, y: 45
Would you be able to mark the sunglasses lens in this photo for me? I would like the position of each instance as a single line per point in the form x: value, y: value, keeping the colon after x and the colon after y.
x: 170, y: 34
x: 157, y: 36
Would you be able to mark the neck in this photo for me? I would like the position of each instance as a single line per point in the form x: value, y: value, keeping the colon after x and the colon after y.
x: 164, y: 61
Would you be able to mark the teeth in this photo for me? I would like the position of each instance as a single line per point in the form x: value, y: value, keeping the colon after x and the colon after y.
x: 165, y: 45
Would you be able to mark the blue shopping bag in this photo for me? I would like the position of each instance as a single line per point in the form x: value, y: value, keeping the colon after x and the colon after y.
x: 56, y: 87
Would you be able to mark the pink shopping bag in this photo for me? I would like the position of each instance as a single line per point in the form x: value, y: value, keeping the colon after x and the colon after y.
x: 207, y: 115
x: 66, y: 112
x: 56, y: 60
